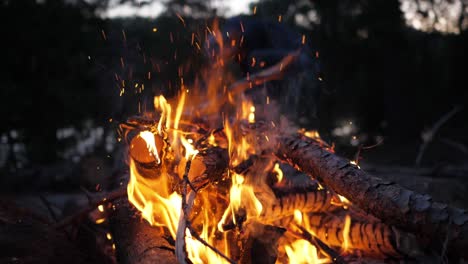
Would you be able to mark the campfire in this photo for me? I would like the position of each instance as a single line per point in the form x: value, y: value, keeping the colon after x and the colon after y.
x: 216, y: 178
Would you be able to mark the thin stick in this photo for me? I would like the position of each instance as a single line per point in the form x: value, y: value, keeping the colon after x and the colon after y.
x: 108, y: 197
x: 181, y: 247
x: 185, y: 208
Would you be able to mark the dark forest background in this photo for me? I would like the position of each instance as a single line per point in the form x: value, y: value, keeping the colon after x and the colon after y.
x: 69, y: 76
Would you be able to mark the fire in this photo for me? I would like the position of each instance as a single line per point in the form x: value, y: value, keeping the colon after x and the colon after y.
x: 148, y: 137
x: 161, y: 104
x: 151, y: 198
x: 278, y: 172
x: 301, y: 251
x: 167, y: 146
x: 190, y: 151
x: 346, y: 240
x: 242, y: 195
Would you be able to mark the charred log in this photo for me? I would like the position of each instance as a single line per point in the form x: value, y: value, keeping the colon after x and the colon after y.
x: 260, y: 243
x: 432, y: 222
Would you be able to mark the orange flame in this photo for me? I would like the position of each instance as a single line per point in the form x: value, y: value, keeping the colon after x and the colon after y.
x: 346, y: 240
x: 153, y: 194
x: 278, y: 172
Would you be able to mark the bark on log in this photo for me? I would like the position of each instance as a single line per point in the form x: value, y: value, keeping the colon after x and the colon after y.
x: 434, y: 223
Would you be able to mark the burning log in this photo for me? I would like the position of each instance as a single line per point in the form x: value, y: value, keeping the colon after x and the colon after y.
x: 432, y: 222
x: 371, y: 239
x: 260, y: 243
x: 207, y: 166
x: 308, y: 199
x: 136, y: 241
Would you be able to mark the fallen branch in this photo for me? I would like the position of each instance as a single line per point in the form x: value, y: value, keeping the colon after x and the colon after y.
x: 432, y: 222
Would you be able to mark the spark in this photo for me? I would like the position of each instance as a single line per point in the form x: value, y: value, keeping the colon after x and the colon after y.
x: 181, y: 19
x: 103, y: 33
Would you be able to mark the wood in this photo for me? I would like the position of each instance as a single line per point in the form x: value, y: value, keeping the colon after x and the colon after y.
x: 371, y: 239
x: 208, y: 166
x: 434, y: 223
x: 136, y: 241
x: 288, y: 200
x: 260, y: 243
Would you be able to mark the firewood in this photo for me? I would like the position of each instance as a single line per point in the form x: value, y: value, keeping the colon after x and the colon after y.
x: 433, y: 222
x: 260, y: 243
x: 136, y: 241
x: 289, y: 199
x: 308, y: 199
x: 208, y: 166
x: 372, y: 239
